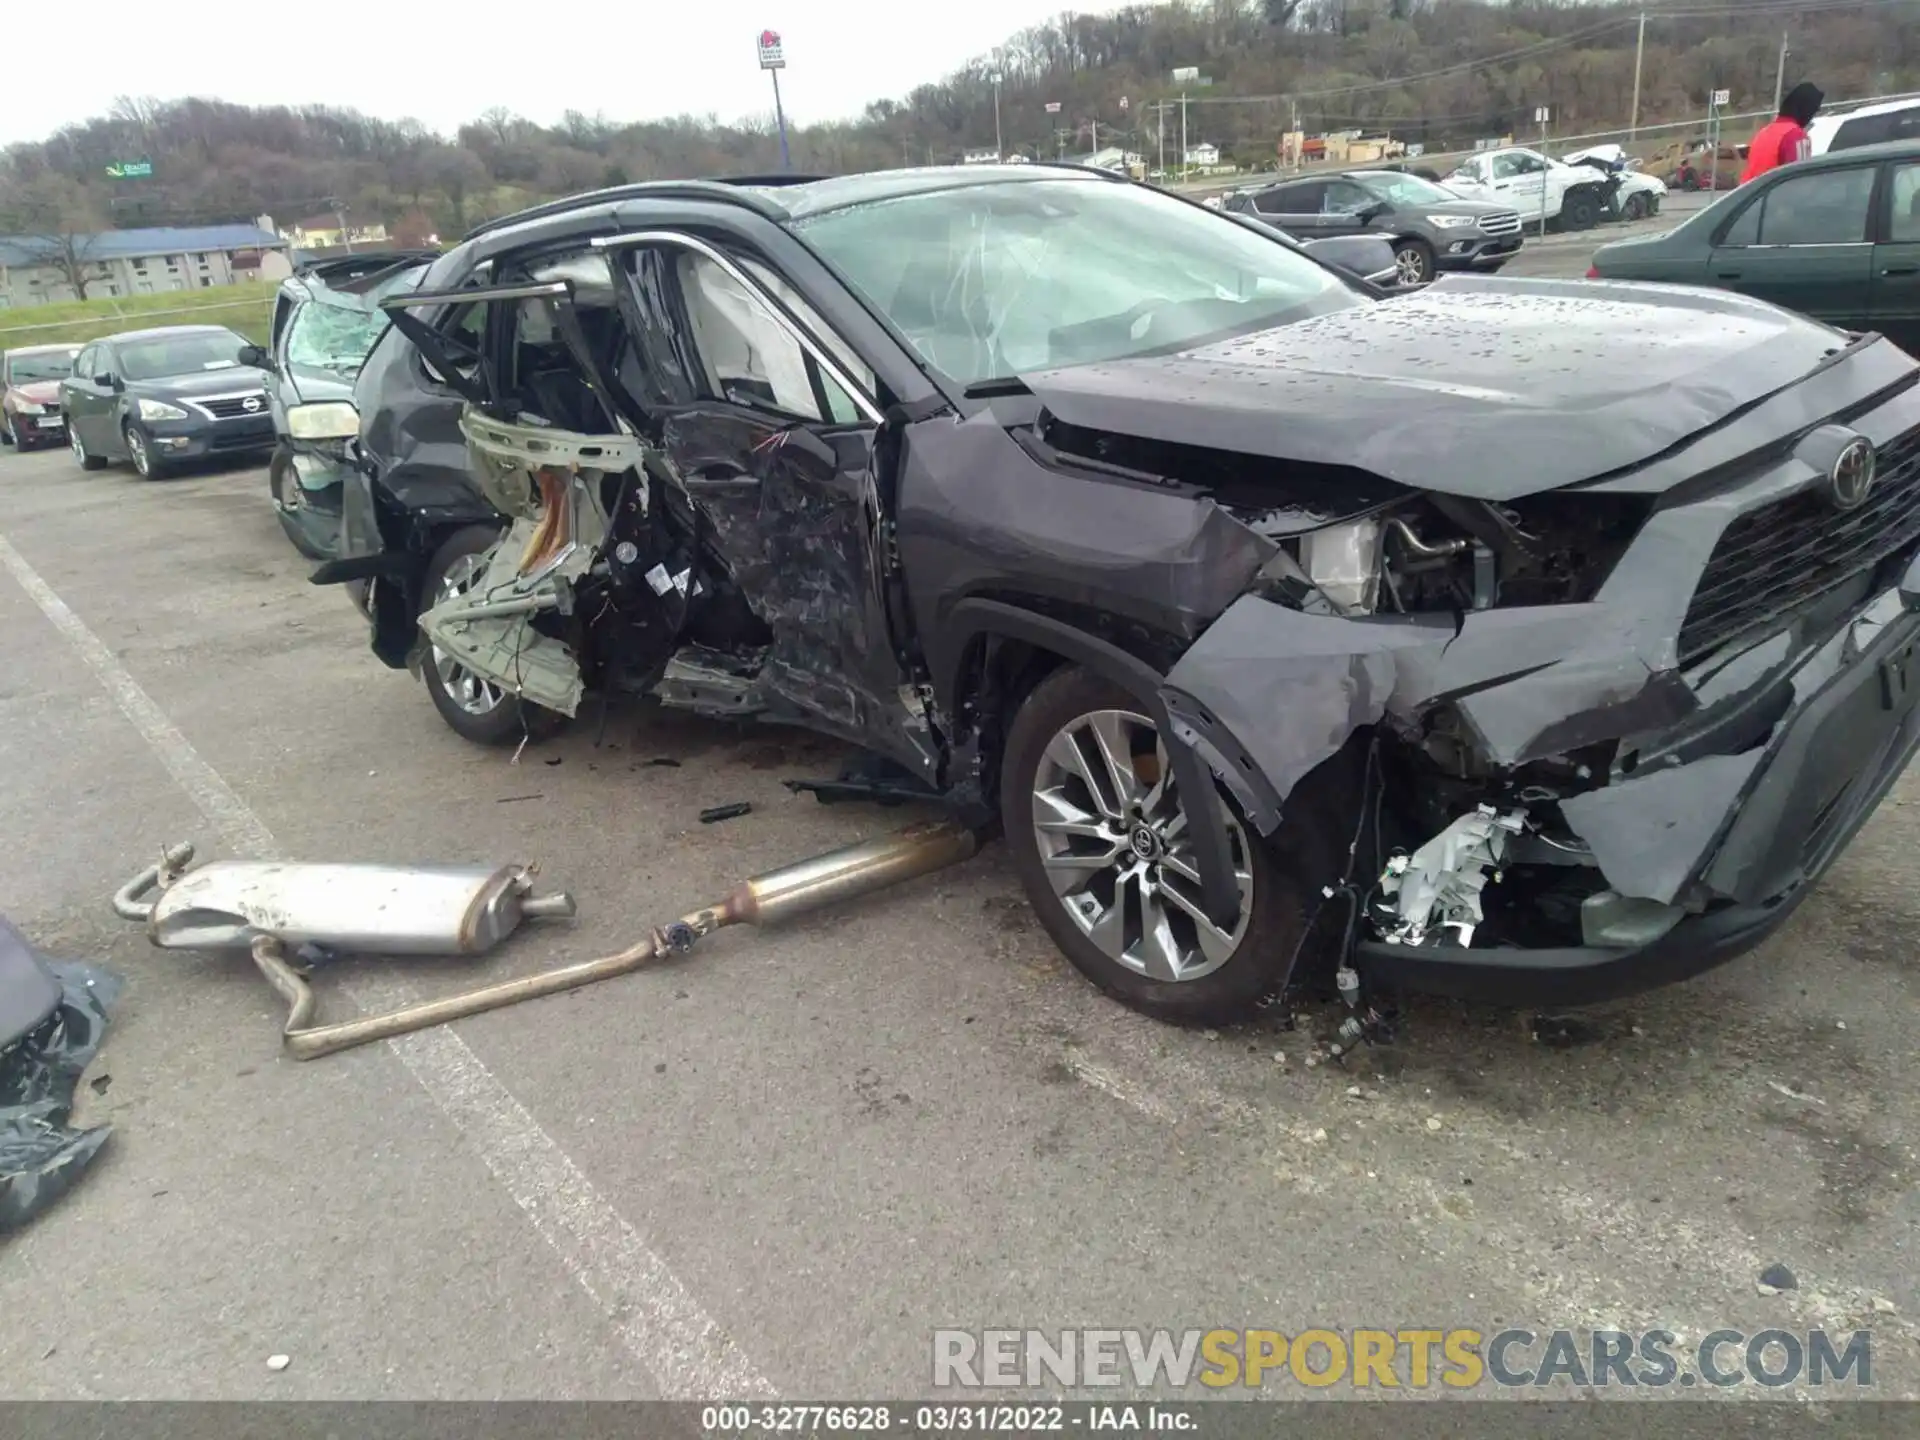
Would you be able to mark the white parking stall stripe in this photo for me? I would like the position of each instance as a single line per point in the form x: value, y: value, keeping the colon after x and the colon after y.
x: 660, y: 1323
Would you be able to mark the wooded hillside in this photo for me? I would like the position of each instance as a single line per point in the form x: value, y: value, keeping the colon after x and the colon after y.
x: 1438, y: 71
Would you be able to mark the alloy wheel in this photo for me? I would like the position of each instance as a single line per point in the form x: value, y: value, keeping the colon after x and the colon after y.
x: 137, y: 450
x: 1114, y: 844
x: 1412, y: 265
x: 75, y: 443
x: 466, y: 689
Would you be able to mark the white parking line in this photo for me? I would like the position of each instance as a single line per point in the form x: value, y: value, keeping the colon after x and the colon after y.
x: 688, y: 1354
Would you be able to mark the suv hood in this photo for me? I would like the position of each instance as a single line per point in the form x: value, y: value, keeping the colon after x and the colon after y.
x: 1478, y: 209
x: 1485, y: 388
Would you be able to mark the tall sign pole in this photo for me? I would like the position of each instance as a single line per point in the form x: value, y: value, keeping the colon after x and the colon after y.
x: 999, y: 145
x: 773, y: 61
x: 1542, y: 114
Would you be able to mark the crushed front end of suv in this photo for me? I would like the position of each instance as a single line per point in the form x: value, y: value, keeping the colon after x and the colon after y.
x: 1526, y: 640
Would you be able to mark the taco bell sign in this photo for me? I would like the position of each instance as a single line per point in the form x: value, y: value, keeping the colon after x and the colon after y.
x: 769, y: 47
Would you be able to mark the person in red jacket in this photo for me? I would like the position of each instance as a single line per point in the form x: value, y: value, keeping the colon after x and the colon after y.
x: 1784, y: 139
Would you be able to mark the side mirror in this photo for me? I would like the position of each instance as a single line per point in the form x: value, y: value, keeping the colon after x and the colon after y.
x: 111, y: 382
x: 255, y: 357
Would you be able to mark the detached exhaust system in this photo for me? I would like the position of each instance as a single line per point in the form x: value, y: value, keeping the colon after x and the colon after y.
x: 264, y: 907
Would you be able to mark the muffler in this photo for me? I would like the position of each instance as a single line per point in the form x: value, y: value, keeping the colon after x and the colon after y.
x: 777, y: 895
x: 362, y: 909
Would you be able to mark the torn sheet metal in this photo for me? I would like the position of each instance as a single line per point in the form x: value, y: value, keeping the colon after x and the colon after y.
x: 973, y: 521
x: 549, y: 482
x: 41, y: 1155
x: 1438, y: 886
x: 1649, y: 833
x: 1291, y: 688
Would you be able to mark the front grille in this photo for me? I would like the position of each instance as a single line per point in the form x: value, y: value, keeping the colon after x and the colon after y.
x: 250, y: 437
x: 233, y: 407
x: 1797, y: 548
x: 1505, y: 222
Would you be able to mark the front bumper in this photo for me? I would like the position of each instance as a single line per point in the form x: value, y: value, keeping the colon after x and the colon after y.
x: 1829, y: 765
x: 1743, y: 746
x: 1477, y: 252
x: 175, y: 441
x: 32, y: 431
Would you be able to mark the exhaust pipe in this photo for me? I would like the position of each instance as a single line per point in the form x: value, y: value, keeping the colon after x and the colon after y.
x: 767, y: 899
x: 373, y: 909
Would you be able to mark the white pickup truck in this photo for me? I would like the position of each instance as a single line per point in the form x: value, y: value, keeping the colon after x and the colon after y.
x: 1577, y: 197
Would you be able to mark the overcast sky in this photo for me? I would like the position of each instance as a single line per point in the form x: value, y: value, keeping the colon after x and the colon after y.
x: 632, y: 59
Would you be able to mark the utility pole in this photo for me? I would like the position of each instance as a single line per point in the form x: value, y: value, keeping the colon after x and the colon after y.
x: 1639, y: 53
x: 999, y: 145
x: 1183, y: 137
x: 1160, y: 115
x: 1780, y: 75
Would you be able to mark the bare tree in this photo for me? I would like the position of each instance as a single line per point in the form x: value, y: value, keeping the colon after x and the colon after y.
x: 53, y: 221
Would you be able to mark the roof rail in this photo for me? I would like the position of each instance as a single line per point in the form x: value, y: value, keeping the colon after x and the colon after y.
x: 728, y: 189
x: 1095, y: 170
x: 361, y: 261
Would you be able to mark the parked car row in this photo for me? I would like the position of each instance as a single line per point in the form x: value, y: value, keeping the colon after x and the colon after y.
x: 1836, y: 237
x: 30, y: 376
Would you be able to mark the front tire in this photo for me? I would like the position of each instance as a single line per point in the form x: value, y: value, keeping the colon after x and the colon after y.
x: 79, y: 448
x: 1414, y: 260
x: 1098, y: 838
x: 475, y: 709
x: 288, y: 499
x: 1638, y: 207
x: 1579, y: 211
x: 140, y: 451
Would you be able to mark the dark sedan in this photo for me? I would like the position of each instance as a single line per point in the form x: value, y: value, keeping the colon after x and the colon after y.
x: 1836, y: 237
x: 164, y: 398
x: 1431, y: 228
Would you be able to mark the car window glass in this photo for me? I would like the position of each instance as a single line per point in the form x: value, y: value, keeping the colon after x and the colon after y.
x: 1906, y: 124
x: 1345, y: 198
x: 333, y: 337
x: 463, y: 331
x: 1826, y: 207
x: 83, y: 367
x: 1745, y: 229
x: 186, y: 354
x: 749, y: 357
x: 30, y: 368
x: 1292, y: 199
x: 1505, y: 167
x: 1903, y: 225
x: 1866, y: 130
x: 999, y: 278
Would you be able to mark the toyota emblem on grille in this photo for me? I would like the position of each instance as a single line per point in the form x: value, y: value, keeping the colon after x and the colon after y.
x: 1852, y: 474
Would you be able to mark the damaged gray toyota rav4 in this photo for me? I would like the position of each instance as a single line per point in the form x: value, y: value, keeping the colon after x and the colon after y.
x: 1539, y: 642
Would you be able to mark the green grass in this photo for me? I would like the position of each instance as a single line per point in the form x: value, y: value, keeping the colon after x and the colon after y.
x: 246, y: 308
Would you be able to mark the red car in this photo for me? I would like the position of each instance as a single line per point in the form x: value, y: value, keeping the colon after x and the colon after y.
x: 30, y: 394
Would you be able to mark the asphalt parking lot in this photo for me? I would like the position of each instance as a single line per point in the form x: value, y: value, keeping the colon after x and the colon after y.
x: 777, y: 1166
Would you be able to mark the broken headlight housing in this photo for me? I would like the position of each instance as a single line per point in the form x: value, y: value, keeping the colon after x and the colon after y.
x: 1343, y: 562
x: 1445, y: 553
